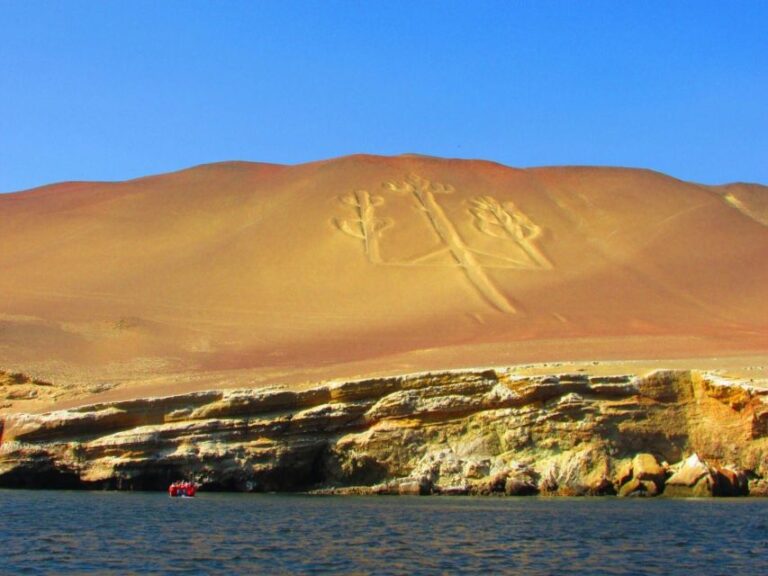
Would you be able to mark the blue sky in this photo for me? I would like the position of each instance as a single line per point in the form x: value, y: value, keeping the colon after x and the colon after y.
x: 118, y: 89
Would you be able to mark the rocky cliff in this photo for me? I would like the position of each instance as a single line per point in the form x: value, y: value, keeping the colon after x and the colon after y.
x: 472, y: 431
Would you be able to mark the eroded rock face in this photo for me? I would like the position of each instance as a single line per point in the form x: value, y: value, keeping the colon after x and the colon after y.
x: 459, y: 432
x: 641, y: 476
x: 692, y: 478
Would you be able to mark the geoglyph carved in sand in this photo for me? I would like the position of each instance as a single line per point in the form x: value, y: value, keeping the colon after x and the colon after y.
x: 513, y: 229
x: 509, y: 223
x: 366, y: 226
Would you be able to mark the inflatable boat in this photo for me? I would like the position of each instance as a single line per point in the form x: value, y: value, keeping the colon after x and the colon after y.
x: 182, y: 490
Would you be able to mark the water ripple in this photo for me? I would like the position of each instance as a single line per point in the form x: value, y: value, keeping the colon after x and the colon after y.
x: 123, y: 533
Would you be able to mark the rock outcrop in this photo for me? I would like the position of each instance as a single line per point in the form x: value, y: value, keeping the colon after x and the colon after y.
x: 458, y: 432
x: 643, y: 476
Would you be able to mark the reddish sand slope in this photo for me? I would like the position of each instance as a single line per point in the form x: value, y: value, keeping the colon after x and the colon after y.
x: 363, y: 260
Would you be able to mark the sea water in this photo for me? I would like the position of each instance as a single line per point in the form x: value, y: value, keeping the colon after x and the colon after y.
x: 59, y: 532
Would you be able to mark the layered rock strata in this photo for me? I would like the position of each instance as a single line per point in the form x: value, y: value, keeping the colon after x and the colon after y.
x: 458, y: 432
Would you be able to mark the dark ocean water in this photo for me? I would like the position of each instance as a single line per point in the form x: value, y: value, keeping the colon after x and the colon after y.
x: 59, y: 532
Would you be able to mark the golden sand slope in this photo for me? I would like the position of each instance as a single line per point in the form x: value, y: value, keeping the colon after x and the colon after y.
x: 360, y: 264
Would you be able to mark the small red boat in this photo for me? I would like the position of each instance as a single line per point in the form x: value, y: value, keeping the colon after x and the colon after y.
x: 182, y: 490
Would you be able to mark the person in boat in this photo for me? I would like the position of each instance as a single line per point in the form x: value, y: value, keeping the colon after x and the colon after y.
x: 182, y: 488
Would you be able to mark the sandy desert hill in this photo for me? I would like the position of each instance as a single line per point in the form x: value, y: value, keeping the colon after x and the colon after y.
x: 243, y: 272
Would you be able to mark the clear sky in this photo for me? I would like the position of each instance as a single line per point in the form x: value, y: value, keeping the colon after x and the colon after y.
x: 109, y: 90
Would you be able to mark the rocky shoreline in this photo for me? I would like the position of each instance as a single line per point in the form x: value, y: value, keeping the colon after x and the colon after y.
x: 643, y: 476
x: 484, y: 431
